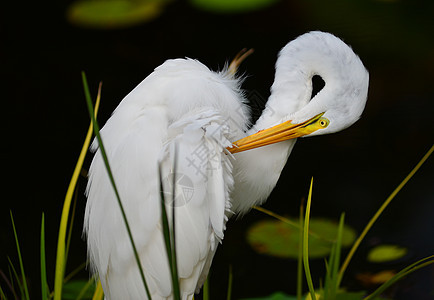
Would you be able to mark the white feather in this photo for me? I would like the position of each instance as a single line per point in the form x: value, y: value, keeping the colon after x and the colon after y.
x: 181, y: 105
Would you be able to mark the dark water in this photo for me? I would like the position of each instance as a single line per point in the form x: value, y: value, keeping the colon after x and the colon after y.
x: 44, y: 121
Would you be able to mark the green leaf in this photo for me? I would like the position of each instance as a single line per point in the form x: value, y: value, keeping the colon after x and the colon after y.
x: 231, y: 6
x: 105, y: 14
x: 275, y: 238
x: 385, y: 253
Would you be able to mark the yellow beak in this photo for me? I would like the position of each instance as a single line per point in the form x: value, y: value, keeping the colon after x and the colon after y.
x: 279, y: 133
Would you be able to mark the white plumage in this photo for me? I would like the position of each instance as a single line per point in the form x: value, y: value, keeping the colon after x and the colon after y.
x: 185, y: 104
x: 182, y: 102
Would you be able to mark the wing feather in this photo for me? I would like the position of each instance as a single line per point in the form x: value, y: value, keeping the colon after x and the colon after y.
x: 202, y: 198
x: 144, y: 131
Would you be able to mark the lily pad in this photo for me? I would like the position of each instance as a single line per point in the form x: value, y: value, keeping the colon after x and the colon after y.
x: 105, y: 14
x: 375, y: 279
x: 386, y: 253
x: 231, y: 6
x: 276, y: 238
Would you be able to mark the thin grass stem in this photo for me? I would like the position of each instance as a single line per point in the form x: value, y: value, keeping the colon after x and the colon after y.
x: 335, y: 267
x: 379, y: 212
x: 23, y: 275
x: 230, y: 279
x: 300, y: 256
x: 277, y: 216
x: 44, y: 290
x: 17, y: 278
x: 10, y: 275
x: 2, y: 294
x: 71, y: 224
x: 404, y: 272
x: 290, y: 222
x: 175, y: 277
x: 332, y: 267
x: 61, y: 245
x: 305, y: 244
x: 168, y: 238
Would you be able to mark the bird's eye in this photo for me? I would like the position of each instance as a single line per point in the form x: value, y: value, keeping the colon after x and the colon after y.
x: 323, y: 122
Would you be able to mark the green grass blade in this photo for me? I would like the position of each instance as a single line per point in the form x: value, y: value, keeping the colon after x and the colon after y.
x: 99, y: 293
x: 404, y: 272
x: 331, y: 286
x: 328, y: 278
x: 71, y: 225
x: 167, y: 238
x: 165, y: 220
x: 44, y: 285
x: 230, y: 279
x: 110, y: 175
x: 277, y: 216
x: 61, y: 244
x: 17, y: 278
x: 2, y: 294
x: 23, y: 275
x: 175, y: 277
x: 206, y: 289
x: 338, y: 252
x: 300, y: 256
x: 379, y: 212
x: 305, y: 244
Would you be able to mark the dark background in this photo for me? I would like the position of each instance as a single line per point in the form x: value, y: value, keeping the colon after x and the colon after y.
x: 44, y: 121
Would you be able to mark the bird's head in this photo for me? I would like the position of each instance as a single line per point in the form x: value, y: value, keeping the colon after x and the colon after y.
x: 337, y: 106
x: 334, y: 108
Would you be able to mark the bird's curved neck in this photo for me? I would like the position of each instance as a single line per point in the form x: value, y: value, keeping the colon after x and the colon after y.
x: 259, y: 169
x: 292, y: 87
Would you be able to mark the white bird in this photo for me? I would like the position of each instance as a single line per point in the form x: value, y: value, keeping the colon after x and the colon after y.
x: 203, y: 113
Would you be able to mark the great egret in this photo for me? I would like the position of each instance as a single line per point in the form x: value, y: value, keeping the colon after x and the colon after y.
x: 203, y: 112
